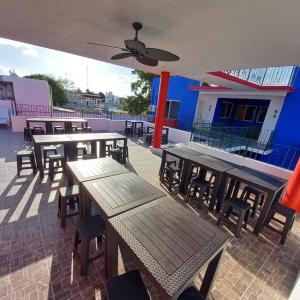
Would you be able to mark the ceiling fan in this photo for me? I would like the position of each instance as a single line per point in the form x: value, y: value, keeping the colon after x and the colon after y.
x: 137, y: 49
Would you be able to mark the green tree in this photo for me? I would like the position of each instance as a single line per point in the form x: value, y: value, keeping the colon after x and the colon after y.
x: 58, y: 88
x: 142, y: 88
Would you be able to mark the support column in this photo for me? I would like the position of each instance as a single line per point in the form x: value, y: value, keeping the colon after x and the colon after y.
x: 161, y: 107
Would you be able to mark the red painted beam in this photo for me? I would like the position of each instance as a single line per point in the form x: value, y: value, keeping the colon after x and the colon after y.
x: 161, y: 108
x: 226, y: 76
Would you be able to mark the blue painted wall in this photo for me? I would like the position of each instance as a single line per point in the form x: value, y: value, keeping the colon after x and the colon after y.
x: 231, y: 122
x: 178, y: 90
x: 287, y: 130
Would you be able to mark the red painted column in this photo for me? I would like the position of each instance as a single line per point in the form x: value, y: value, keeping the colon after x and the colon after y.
x: 161, y: 108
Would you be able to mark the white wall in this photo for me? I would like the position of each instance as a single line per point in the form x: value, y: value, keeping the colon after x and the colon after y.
x: 30, y: 91
x: 208, y: 101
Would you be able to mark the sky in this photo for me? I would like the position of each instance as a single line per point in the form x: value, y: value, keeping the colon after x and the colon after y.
x: 27, y: 59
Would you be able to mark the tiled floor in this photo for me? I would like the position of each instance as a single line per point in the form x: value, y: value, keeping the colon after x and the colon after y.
x: 36, y: 254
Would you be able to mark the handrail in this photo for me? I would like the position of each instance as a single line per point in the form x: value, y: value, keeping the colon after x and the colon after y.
x: 270, y: 76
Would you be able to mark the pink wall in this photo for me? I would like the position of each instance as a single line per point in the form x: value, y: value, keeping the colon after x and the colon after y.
x: 30, y: 91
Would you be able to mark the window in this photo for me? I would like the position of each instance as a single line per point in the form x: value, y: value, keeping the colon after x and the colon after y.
x: 226, y: 110
x: 245, y: 112
x: 262, y: 114
x: 172, y: 109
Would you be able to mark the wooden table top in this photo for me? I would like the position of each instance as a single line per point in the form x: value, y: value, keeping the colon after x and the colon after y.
x: 119, y: 193
x: 83, y: 170
x: 183, y: 152
x: 169, y: 240
x: 76, y: 137
x: 261, y: 180
x: 65, y: 120
x: 213, y: 163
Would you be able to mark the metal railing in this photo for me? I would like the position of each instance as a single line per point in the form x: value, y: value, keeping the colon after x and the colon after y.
x: 247, y: 142
x: 60, y: 112
x: 271, y: 76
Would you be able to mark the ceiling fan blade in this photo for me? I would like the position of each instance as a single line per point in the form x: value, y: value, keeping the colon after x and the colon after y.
x: 104, y: 45
x: 147, y: 61
x: 159, y: 54
x: 121, y: 55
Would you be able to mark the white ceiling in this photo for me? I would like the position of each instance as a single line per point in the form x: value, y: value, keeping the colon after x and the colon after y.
x: 208, y: 35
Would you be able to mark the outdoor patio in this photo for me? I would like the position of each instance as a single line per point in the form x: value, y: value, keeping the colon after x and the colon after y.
x: 36, y: 259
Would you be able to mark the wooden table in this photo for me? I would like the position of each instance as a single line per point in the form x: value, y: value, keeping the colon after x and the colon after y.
x: 272, y: 185
x: 165, y: 131
x: 85, y: 170
x: 134, y: 124
x: 184, y: 154
x: 117, y: 194
x: 171, y: 244
x: 217, y: 167
x: 70, y: 141
x: 68, y: 122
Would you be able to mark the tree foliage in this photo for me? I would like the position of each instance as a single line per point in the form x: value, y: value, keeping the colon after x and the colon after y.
x: 142, y: 88
x: 58, y: 87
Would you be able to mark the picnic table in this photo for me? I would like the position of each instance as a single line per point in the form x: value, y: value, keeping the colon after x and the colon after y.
x: 69, y: 141
x: 273, y: 186
x: 216, y: 166
x: 68, y: 122
x: 170, y: 243
x: 134, y: 124
x: 85, y: 170
x: 184, y: 154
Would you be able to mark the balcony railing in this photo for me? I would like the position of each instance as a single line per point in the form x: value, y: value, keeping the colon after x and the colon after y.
x: 248, y: 142
x: 271, y: 76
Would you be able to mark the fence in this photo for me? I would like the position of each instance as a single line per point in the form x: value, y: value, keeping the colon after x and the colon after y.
x: 248, y: 141
x: 49, y: 111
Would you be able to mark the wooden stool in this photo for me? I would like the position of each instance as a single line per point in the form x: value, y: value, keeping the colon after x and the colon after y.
x: 89, y: 156
x: 116, y: 154
x: 149, y: 139
x: 79, y: 130
x: 27, y: 134
x: 128, y: 286
x: 58, y: 129
x: 239, y: 208
x: 170, y: 176
x: 81, y: 148
x: 48, y: 150
x: 68, y: 196
x: 200, y: 186
x: 126, y: 153
x: 74, y: 128
x: 140, y: 132
x: 128, y: 130
x: 24, y: 165
x: 87, y: 230
x: 257, y: 199
x: 288, y: 213
x: 56, y: 158
x: 38, y: 130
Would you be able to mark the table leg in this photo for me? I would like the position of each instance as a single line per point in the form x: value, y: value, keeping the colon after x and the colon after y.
x: 39, y: 160
x: 49, y: 128
x: 186, y: 175
x: 215, y: 192
x: 102, y: 148
x: 68, y: 127
x: 124, y: 151
x: 94, y: 148
x: 210, y: 275
x: 111, y: 252
x: 162, y: 164
x: 226, y: 193
x: 263, y: 214
x: 84, y: 203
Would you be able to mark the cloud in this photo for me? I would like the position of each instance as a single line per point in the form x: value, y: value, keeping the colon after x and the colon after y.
x: 27, y: 49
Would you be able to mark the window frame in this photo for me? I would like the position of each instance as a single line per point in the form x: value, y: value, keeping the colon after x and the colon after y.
x: 246, y: 105
x: 168, y: 108
x: 261, y: 122
x: 227, y: 103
